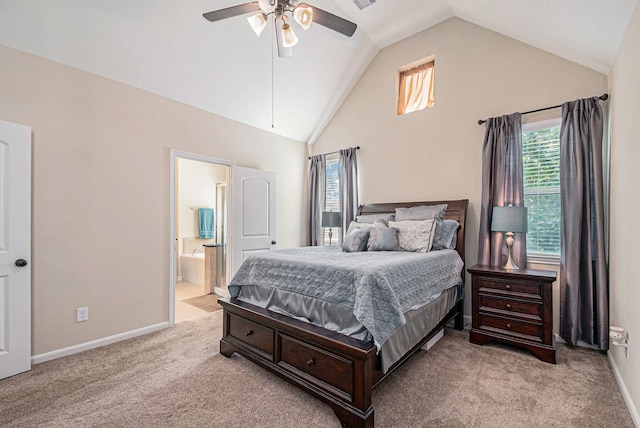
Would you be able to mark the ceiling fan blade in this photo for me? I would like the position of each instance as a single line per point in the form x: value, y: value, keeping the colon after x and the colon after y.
x: 333, y: 22
x: 282, y: 51
x: 232, y: 11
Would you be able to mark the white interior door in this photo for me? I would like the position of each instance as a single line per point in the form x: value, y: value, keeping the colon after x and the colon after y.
x: 15, y: 252
x: 254, y: 213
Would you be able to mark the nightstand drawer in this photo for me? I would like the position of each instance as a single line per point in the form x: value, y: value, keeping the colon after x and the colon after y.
x: 530, y: 331
x: 526, y: 289
x: 531, y: 310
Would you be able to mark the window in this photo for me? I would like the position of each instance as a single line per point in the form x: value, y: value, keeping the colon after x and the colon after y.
x: 541, y: 176
x: 332, y: 196
x: 415, y: 86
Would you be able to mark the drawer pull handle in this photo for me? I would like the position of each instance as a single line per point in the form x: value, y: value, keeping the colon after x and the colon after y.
x: 508, y: 287
x: 248, y: 333
x: 508, y: 306
x: 311, y: 362
x: 508, y: 325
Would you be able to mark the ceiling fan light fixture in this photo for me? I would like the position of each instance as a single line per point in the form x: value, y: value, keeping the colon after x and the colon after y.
x: 258, y: 22
x: 303, y: 14
x: 268, y: 6
x: 289, y: 38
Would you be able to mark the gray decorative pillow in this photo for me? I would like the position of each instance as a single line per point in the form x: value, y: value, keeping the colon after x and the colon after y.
x: 356, y: 240
x: 383, y: 239
x: 415, y: 235
x: 381, y: 223
x: 426, y: 212
x: 353, y: 225
x: 450, y: 234
x: 371, y: 218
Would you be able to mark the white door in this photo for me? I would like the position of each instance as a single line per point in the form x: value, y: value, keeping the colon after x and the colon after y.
x: 254, y: 213
x: 15, y: 255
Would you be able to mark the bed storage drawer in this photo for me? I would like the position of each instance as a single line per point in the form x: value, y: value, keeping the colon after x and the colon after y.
x: 255, y: 335
x: 315, y: 364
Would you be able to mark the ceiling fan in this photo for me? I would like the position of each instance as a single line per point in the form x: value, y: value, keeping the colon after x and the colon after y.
x: 302, y: 13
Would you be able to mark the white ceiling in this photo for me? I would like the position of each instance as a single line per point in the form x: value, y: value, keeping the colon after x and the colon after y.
x: 168, y: 48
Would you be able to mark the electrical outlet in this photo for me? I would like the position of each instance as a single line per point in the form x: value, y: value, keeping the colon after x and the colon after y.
x: 82, y: 314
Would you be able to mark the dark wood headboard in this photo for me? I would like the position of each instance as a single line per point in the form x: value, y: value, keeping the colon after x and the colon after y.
x: 456, y: 210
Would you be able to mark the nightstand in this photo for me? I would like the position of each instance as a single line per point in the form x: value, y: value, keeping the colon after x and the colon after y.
x: 513, y: 307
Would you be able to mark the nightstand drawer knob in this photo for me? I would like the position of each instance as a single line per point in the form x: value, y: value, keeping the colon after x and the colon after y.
x: 508, y: 305
x: 248, y: 333
x: 508, y: 287
x: 508, y: 325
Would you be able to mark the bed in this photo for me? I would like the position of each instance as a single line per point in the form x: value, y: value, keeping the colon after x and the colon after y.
x: 337, y: 368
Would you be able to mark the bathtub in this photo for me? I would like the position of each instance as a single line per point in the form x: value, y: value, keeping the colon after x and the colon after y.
x: 192, y: 268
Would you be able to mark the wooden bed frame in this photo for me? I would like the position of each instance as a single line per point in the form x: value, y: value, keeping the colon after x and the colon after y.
x: 337, y: 369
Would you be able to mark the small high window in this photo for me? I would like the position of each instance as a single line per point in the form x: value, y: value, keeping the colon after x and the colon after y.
x: 415, y: 86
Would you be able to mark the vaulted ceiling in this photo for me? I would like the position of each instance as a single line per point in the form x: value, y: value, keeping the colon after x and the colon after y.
x: 168, y: 48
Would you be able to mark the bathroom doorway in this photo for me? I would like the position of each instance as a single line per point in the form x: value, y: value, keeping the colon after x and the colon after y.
x: 200, y: 230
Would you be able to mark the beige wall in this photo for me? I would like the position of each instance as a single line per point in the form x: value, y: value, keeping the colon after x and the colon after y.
x: 624, y: 81
x: 101, y: 153
x: 436, y: 153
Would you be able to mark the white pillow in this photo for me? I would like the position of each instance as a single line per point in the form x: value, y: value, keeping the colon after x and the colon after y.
x: 415, y: 235
x: 426, y: 212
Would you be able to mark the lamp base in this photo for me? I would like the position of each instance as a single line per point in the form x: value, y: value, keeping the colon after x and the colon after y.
x: 330, y: 236
x: 510, y: 265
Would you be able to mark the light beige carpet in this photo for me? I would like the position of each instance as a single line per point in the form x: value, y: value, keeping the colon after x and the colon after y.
x: 177, y: 378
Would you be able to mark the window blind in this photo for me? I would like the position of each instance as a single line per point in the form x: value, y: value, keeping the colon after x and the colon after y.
x: 332, y: 196
x: 541, y: 176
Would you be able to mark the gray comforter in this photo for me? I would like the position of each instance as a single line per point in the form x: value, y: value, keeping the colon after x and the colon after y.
x: 378, y: 286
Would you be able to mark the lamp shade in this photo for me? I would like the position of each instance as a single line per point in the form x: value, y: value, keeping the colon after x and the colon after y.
x: 509, y: 219
x: 258, y: 22
x: 330, y: 219
x: 303, y: 14
x: 289, y: 38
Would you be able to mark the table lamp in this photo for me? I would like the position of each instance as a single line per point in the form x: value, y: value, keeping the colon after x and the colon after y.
x: 330, y: 219
x: 510, y: 220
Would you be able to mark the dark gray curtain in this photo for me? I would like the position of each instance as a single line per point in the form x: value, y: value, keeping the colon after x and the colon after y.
x: 501, y: 186
x: 584, y: 283
x: 317, y: 173
x: 348, y: 173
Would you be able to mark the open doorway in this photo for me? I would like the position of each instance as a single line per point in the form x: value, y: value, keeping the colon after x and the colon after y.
x: 199, y: 232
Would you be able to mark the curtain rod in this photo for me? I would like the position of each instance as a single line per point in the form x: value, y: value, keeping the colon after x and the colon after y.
x: 603, y: 97
x: 337, y: 151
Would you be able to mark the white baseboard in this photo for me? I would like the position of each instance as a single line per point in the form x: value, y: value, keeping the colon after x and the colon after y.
x: 580, y: 343
x: 221, y: 292
x: 625, y: 392
x: 41, y: 358
x: 468, y: 320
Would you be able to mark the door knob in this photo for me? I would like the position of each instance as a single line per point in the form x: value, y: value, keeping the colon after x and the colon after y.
x: 273, y: 242
x: 21, y: 262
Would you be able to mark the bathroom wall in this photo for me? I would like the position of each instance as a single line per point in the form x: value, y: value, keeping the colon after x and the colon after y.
x: 195, y: 188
